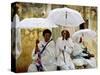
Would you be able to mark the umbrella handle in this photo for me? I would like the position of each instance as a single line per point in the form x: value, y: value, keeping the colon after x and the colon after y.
x: 66, y: 15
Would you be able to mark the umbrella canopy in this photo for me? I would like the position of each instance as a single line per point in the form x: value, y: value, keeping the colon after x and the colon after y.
x: 36, y: 23
x: 85, y: 33
x: 65, y: 17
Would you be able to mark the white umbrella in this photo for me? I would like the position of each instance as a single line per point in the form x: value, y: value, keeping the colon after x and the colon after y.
x: 65, y: 17
x: 30, y: 23
x: 85, y: 33
x: 36, y: 23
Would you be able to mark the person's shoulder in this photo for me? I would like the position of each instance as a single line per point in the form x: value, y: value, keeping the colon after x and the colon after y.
x: 52, y: 41
x: 70, y: 39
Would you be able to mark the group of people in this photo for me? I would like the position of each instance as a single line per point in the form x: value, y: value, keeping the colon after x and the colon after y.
x: 64, y: 54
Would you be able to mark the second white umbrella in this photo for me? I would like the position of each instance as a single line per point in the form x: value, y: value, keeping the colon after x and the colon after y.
x: 65, y: 17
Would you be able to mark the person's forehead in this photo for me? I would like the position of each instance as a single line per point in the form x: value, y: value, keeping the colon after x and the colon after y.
x: 47, y: 33
x: 64, y: 31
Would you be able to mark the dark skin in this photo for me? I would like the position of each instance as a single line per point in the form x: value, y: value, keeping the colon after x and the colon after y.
x: 47, y: 37
x: 37, y: 49
x: 80, y: 40
x: 65, y: 34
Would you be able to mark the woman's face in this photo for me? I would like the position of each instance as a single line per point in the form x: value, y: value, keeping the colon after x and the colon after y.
x: 64, y: 34
x: 80, y: 41
x: 47, y: 37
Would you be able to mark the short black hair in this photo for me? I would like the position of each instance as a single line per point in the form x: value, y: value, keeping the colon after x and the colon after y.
x: 46, y: 31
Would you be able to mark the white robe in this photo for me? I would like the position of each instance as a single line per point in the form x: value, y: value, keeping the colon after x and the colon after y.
x: 68, y: 64
x: 79, y: 61
x: 48, y: 57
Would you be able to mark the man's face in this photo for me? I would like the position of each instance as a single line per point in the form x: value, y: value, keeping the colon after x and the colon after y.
x: 47, y: 36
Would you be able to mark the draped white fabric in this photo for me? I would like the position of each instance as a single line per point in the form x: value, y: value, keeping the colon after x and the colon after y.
x: 60, y: 58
